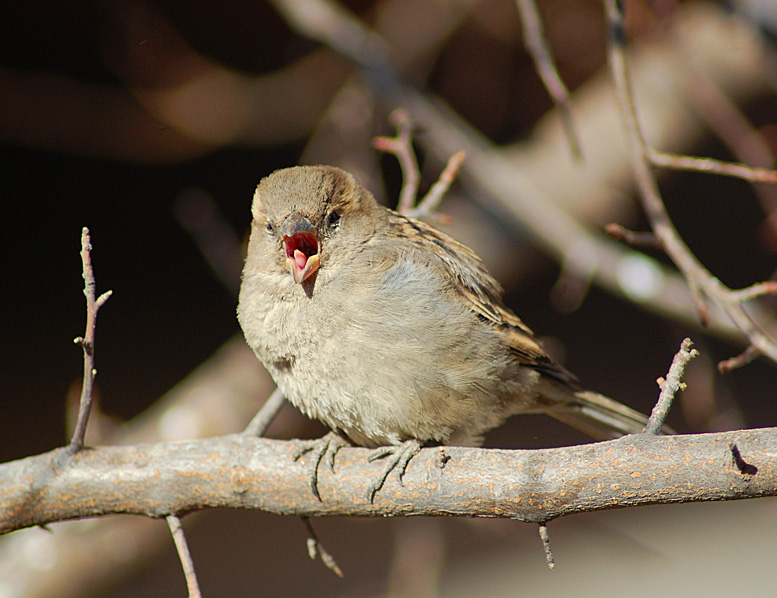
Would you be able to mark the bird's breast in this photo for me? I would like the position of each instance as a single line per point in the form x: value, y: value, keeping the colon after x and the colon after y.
x: 382, y: 358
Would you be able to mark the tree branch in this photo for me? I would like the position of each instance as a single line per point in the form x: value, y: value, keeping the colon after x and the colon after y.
x: 239, y: 471
x: 507, y: 189
x: 702, y: 283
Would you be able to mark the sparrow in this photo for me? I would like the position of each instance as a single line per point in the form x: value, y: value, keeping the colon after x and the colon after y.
x: 390, y: 332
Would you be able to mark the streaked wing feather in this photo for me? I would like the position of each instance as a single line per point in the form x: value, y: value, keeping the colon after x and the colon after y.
x: 483, y: 294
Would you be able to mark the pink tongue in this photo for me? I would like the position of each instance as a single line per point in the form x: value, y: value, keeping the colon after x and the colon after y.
x: 300, y: 259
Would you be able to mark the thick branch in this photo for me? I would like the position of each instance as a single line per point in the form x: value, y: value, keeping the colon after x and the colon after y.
x: 239, y: 471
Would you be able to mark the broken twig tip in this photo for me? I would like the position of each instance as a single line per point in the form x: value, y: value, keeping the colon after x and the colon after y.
x: 545, y: 537
x: 670, y: 386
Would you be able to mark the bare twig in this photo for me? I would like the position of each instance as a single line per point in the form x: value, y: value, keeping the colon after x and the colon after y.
x: 316, y: 548
x: 635, y: 239
x: 536, y: 45
x: 702, y: 283
x: 545, y: 537
x: 401, y: 146
x: 757, y: 290
x: 176, y: 529
x: 87, y: 342
x: 752, y: 174
x: 262, y: 420
x: 745, y: 357
x: 427, y: 208
x: 670, y: 386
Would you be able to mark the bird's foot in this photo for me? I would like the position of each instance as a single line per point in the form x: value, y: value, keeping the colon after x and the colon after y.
x: 398, y: 458
x: 323, y: 449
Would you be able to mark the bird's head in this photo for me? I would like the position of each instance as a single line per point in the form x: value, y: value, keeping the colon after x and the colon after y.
x: 306, y: 217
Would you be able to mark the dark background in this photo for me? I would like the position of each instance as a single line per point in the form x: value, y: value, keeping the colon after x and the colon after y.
x: 168, y: 312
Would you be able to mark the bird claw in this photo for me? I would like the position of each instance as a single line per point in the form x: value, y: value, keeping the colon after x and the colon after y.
x: 323, y: 449
x: 399, y: 457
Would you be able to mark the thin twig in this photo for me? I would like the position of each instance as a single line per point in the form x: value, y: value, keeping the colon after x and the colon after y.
x: 635, y: 239
x: 545, y: 537
x: 262, y: 420
x: 427, y: 208
x: 536, y: 45
x: 401, y: 146
x: 670, y: 386
x: 752, y: 174
x: 176, y: 529
x: 745, y: 357
x: 87, y: 342
x: 315, y: 548
x: 757, y: 290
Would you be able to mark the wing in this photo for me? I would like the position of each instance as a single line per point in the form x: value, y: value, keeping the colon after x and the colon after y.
x: 481, y: 292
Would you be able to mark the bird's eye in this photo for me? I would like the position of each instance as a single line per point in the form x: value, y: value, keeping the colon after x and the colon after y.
x: 334, y: 218
x: 269, y: 226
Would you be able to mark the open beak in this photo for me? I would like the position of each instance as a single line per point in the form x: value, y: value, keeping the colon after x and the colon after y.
x: 300, y: 241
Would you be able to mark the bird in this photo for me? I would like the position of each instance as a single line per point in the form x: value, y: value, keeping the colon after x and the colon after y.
x: 389, y: 331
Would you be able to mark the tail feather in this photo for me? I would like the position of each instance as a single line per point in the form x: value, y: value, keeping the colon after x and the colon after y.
x: 596, y: 415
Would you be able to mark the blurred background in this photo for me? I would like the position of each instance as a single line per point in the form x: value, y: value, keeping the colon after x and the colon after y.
x: 152, y: 122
